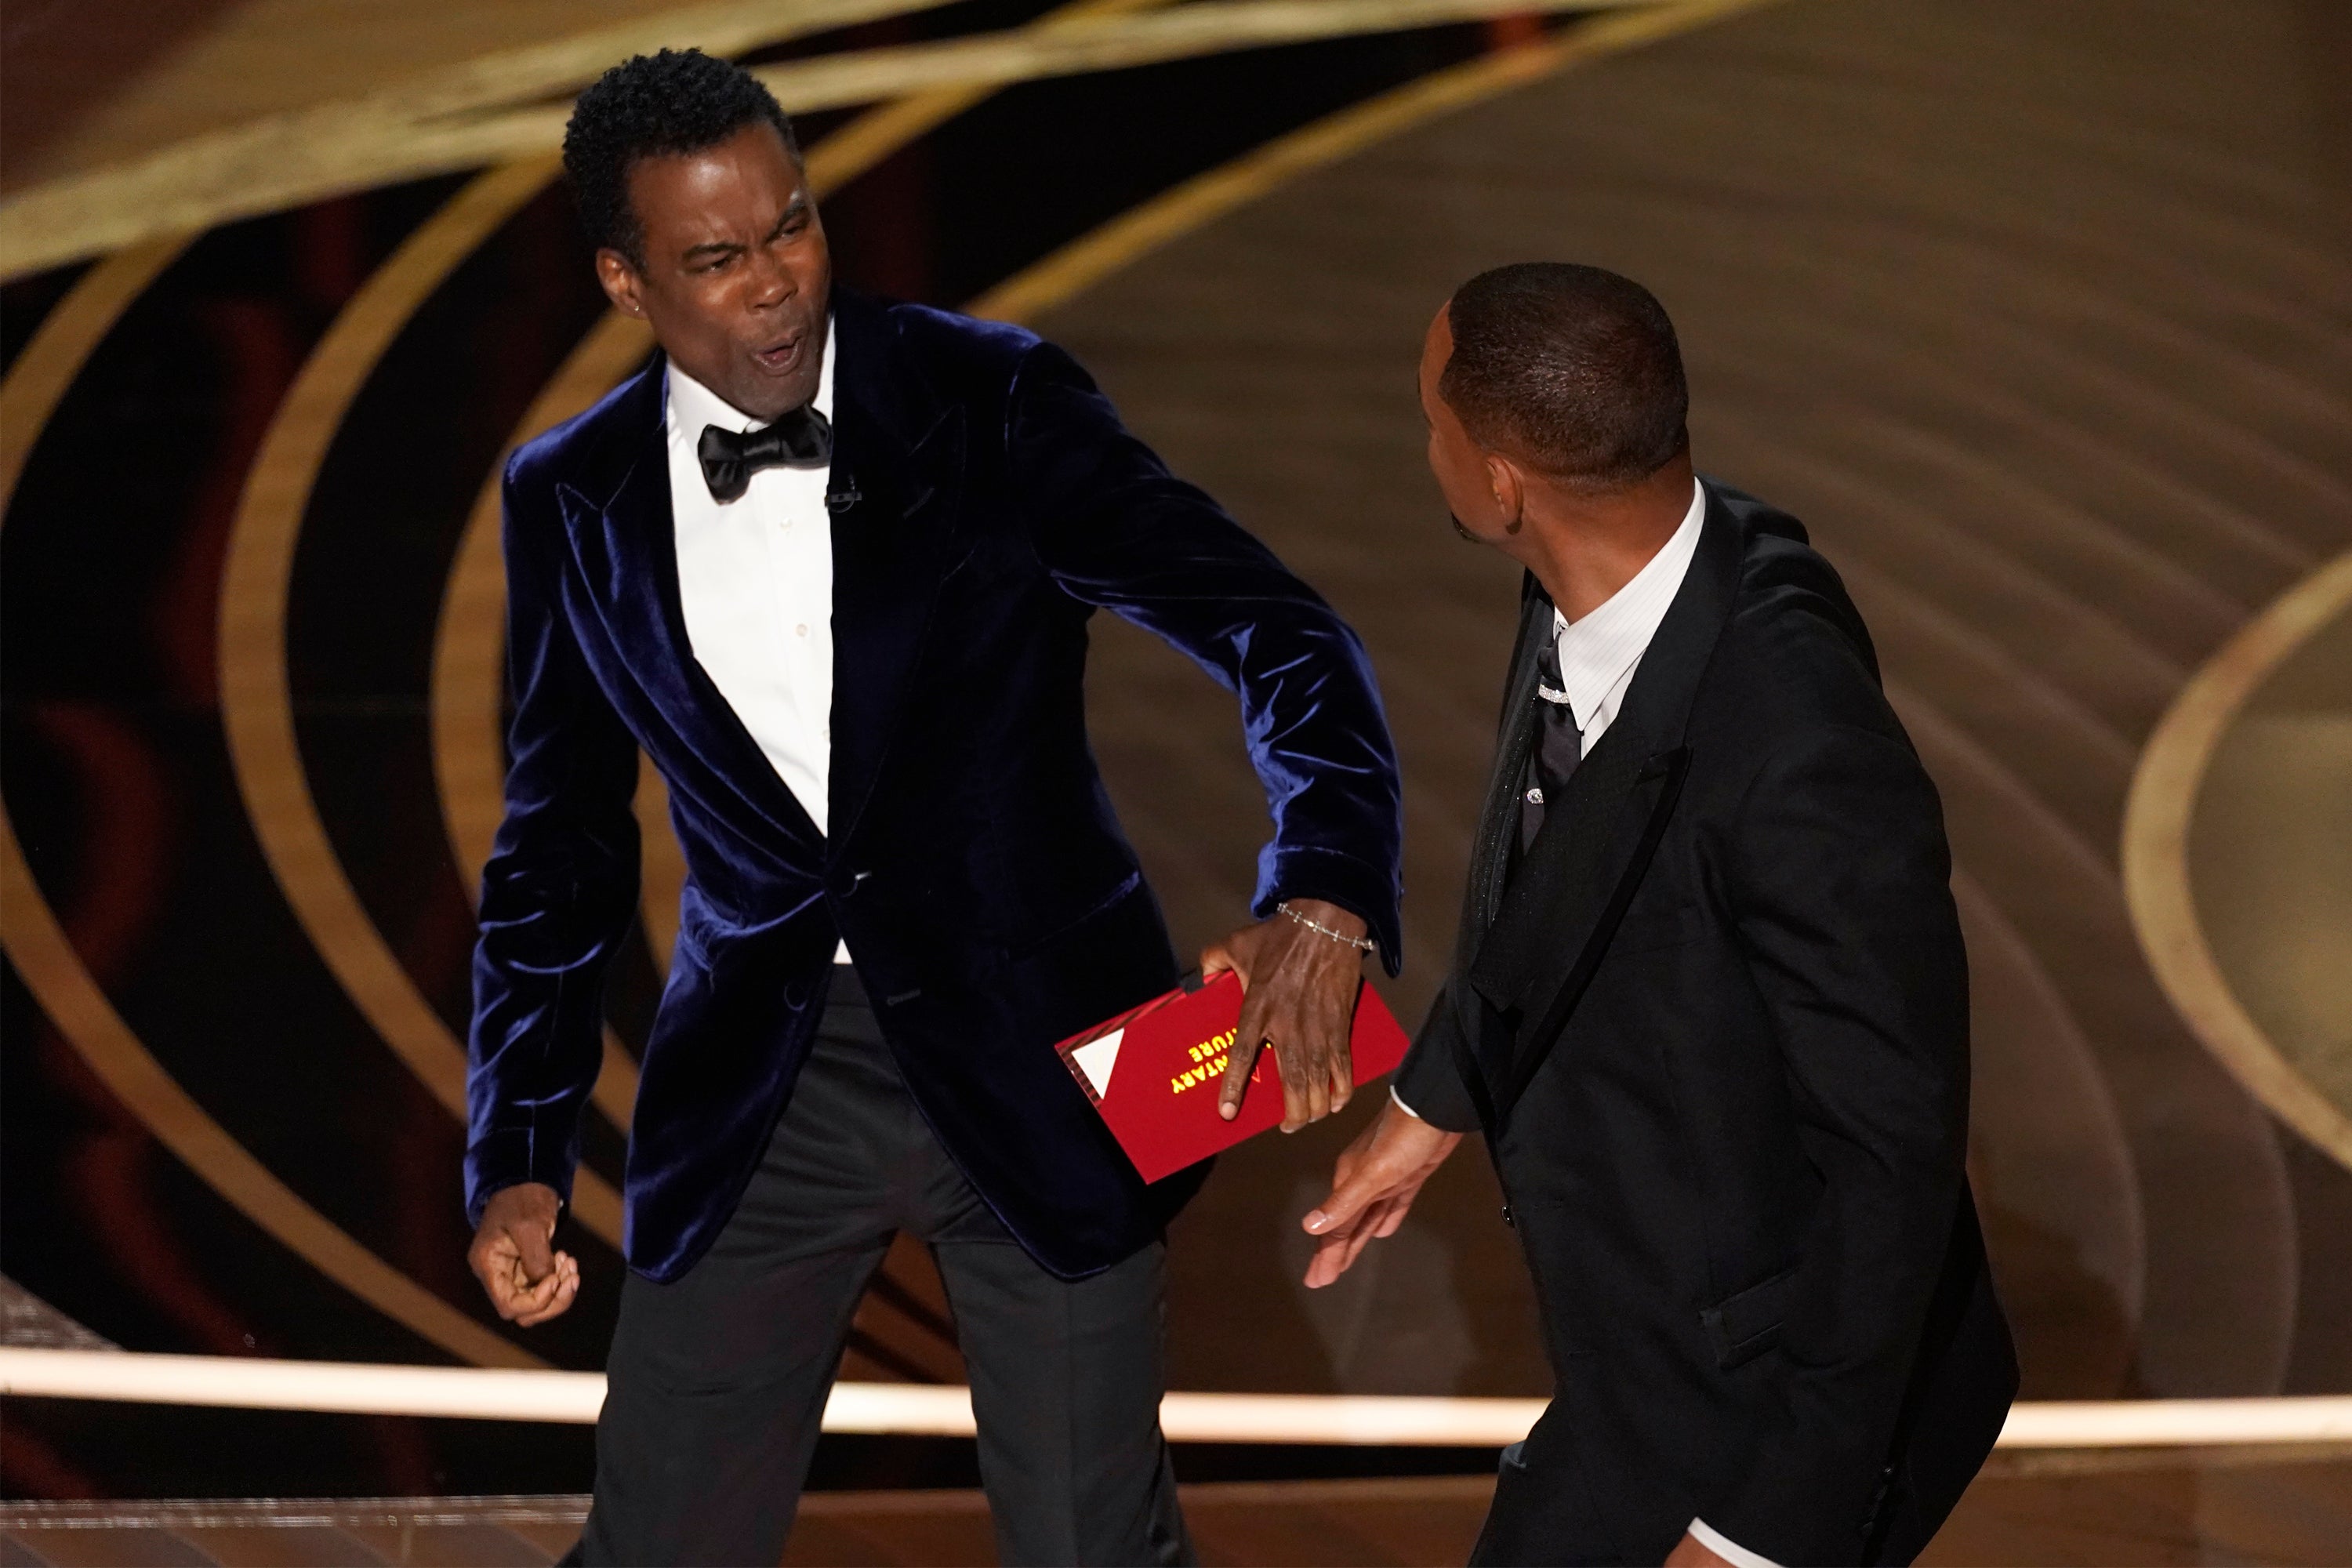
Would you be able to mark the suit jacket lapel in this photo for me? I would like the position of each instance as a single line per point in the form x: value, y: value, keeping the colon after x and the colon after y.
x: 1499, y: 822
x: 897, y: 479
x: 1554, y: 920
x: 624, y: 536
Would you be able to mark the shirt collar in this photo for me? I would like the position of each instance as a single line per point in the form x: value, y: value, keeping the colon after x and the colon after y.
x: 1597, y: 648
x: 692, y: 406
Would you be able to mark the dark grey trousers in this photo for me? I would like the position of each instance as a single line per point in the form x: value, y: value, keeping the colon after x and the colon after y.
x: 717, y: 1380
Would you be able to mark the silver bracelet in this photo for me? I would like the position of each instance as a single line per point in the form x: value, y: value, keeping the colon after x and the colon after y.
x: 1360, y: 944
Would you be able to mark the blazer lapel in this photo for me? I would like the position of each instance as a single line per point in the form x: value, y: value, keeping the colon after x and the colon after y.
x: 1499, y: 822
x: 624, y: 536
x: 898, y: 481
x: 1553, y: 923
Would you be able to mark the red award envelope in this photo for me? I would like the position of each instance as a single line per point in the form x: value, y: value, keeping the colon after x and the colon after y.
x: 1155, y: 1072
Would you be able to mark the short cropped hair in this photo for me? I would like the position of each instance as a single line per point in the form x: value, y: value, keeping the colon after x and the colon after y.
x: 1572, y: 369
x: 653, y: 106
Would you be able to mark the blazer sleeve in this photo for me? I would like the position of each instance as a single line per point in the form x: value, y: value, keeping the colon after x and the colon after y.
x: 1119, y: 532
x: 1429, y: 1081
x: 560, y: 888
x: 1838, y: 882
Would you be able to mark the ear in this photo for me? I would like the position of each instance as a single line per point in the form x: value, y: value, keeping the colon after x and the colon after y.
x: 621, y: 283
x: 1509, y: 487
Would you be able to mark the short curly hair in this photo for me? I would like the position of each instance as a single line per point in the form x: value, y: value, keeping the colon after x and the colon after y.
x: 1572, y: 369
x: 652, y: 105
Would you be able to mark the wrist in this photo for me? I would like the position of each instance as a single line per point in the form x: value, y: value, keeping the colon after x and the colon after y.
x: 1329, y: 920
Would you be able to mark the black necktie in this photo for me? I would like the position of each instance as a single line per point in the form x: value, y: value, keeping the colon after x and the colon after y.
x: 1559, y: 747
x: 801, y: 439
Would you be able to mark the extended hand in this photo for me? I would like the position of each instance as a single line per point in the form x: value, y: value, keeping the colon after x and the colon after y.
x: 1298, y: 995
x: 512, y: 1256
x: 1378, y: 1177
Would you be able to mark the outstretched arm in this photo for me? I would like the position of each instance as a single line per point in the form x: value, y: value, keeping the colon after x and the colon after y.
x: 1118, y: 531
x: 557, y: 897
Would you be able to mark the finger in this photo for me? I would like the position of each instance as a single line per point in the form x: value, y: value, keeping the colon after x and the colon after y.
x: 1346, y: 1200
x: 556, y: 1307
x: 1359, y: 1238
x: 509, y: 1302
x: 483, y: 1259
x: 493, y: 1264
x: 532, y: 1295
x: 1394, y: 1216
x: 1319, y: 1087
x: 1298, y: 1083
x: 533, y: 1242
x: 1343, y: 1073
x: 1216, y: 959
x: 539, y: 1311
x: 1256, y: 1020
x: 1337, y: 1252
x: 1339, y: 1068
x: 1316, y: 1069
x: 1326, y: 1265
x: 1330, y: 1260
x: 1239, y: 1060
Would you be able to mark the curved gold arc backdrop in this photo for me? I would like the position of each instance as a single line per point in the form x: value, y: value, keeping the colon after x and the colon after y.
x: 283, y: 160
x: 2157, y: 818
x: 1092, y: 256
x: 256, y: 702
x: 63, y: 985
x: 300, y: 159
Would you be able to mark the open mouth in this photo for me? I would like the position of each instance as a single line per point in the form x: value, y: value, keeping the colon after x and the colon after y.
x: 779, y: 359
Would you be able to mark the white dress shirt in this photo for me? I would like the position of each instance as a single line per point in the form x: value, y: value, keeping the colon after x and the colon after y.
x: 1600, y: 650
x: 755, y: 579
x: 1599, y: 653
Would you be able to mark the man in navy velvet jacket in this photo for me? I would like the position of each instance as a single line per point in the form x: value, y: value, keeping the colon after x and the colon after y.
x: 904, y: 878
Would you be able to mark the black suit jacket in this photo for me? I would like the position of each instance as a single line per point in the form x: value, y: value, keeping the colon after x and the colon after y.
x: 986, y: 501
x: 1738, y: 1171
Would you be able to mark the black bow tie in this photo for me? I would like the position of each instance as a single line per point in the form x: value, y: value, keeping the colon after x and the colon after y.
x: 801, y: 439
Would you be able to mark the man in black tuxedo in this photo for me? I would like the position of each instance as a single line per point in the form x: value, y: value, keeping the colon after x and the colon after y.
x: 829, y: 563
x: 1709, y: 1004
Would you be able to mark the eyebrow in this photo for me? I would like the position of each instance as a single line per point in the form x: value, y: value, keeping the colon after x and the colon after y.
x: 716, y: 247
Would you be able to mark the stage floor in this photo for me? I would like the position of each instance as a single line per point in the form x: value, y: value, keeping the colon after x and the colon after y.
x: 2233, y: 1508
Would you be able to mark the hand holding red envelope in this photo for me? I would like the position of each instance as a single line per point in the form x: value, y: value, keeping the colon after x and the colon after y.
x: 1154, y: 1072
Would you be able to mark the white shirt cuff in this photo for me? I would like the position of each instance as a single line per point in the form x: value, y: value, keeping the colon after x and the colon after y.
x: 1730, y: 1550
x: 1401, y: 1105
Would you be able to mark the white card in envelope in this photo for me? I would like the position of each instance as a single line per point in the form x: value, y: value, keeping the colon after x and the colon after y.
x: 1096, y: 1057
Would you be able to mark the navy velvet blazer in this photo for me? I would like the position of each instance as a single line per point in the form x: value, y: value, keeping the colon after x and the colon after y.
x: 985, y: 501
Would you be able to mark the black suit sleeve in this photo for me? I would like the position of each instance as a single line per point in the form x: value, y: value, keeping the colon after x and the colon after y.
x: 1839, y: 880
x: 1429, y: 1080
x: 1119, y: 532
x: 560, y: 890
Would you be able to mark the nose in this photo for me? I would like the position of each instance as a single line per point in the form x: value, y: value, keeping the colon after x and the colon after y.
x: 772, y: 281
